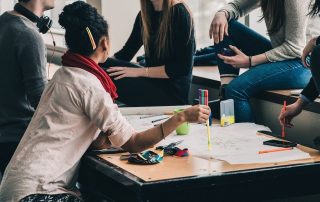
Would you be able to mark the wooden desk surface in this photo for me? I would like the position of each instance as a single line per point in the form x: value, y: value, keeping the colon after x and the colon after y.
x: 181, y: 167
x: 210, y: 72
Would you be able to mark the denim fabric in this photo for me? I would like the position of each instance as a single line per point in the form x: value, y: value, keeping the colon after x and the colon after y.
x: 289, y: 74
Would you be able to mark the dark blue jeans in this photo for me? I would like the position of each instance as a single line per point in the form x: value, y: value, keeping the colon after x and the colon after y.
x: 289, y: 74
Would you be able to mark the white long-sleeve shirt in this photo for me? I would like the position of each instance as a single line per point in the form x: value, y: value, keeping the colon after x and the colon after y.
x: 73, y: 109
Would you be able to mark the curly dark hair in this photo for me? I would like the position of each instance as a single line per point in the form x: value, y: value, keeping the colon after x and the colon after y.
x: 315, y: 8
x: 75, y: 18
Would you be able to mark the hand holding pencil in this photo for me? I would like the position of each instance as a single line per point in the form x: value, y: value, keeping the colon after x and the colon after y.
x: 197, y: 114
x: 204, y: 100
x: 293, y: 110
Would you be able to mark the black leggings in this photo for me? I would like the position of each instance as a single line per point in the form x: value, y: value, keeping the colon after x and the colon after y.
x: 143, y: 91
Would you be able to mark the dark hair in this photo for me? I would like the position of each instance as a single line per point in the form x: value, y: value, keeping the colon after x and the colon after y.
x: 274, y: 14
x: 75, y: 18
x: 24, y: 1
x: 315, y: 8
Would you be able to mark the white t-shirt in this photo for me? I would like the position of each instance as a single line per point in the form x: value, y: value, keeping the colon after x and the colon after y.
x: 73, y: 109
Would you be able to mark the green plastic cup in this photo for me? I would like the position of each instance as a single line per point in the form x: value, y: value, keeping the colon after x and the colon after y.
x: 184, y: 128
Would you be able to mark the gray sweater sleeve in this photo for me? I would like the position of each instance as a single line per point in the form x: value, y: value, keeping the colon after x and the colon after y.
x: 31, y: 57
x: 240, y: 8
x: 295, y: 32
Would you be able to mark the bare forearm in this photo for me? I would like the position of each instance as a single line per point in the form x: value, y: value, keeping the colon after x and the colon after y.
x: 146, y: 139
x: 155, y: 72
x: 259, y: 59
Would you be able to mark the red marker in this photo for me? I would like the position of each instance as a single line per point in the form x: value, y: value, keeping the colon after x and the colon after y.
x: 284, y: 109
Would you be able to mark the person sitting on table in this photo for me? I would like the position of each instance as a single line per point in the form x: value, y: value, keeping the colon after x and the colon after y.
x: 76, y: 105
x: 23, y: 70
x: 310, y: 58
x: 165, y: 29
x: 272, y: 64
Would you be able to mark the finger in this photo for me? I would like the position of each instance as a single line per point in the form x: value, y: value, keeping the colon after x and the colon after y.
x: 223, y: 57
x: 211, y: 31
x: 120, y: 77
x: 282, y: 119
x: 116, y: 73
x: 227, y: 60
x: 230, y: 61
x: 204, y: 116
x: 201, y: 120
x: 226, y: 29
x: 303, y: 60
x: 205, y: 110
x: 216, y: 34
x: 221, y: 30
x: 235, y: 49
x: 115, y: 69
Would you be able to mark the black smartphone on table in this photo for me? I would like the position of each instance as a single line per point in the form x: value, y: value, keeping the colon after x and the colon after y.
x: 277, y: 143
x: 280, y: 143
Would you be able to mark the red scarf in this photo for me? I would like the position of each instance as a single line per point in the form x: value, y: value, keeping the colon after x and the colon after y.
x: 76, y: 60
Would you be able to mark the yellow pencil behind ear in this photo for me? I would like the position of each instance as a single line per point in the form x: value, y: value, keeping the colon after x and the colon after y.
x: 93, y: 43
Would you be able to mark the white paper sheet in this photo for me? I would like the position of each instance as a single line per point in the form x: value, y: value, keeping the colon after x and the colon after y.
x: 236, y: 144
x: 150, y: 110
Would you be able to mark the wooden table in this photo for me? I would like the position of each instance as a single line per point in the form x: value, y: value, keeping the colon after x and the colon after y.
x: 196, y: 179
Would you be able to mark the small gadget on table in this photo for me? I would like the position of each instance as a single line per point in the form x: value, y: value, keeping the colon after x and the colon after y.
x: 277, y: 143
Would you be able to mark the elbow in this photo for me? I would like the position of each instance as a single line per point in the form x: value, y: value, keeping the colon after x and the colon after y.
x: 293, y: 50
x: 131, y: 146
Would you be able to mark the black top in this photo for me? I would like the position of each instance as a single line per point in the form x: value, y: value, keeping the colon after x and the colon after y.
x: 310, y: 91
x: 179, y: 62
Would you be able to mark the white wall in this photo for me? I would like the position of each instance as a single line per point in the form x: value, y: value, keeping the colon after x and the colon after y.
x: 6, y: 5
x: 120, y: 15
x: 260, y: 27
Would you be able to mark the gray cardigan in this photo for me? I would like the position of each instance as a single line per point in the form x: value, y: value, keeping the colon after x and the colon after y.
x: 22, y: 74
x: 291, y: 39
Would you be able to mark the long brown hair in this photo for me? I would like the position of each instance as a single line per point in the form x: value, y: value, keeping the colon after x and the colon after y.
x: 165, y: 30
x: 273, y: 11
x: 315, y: 8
